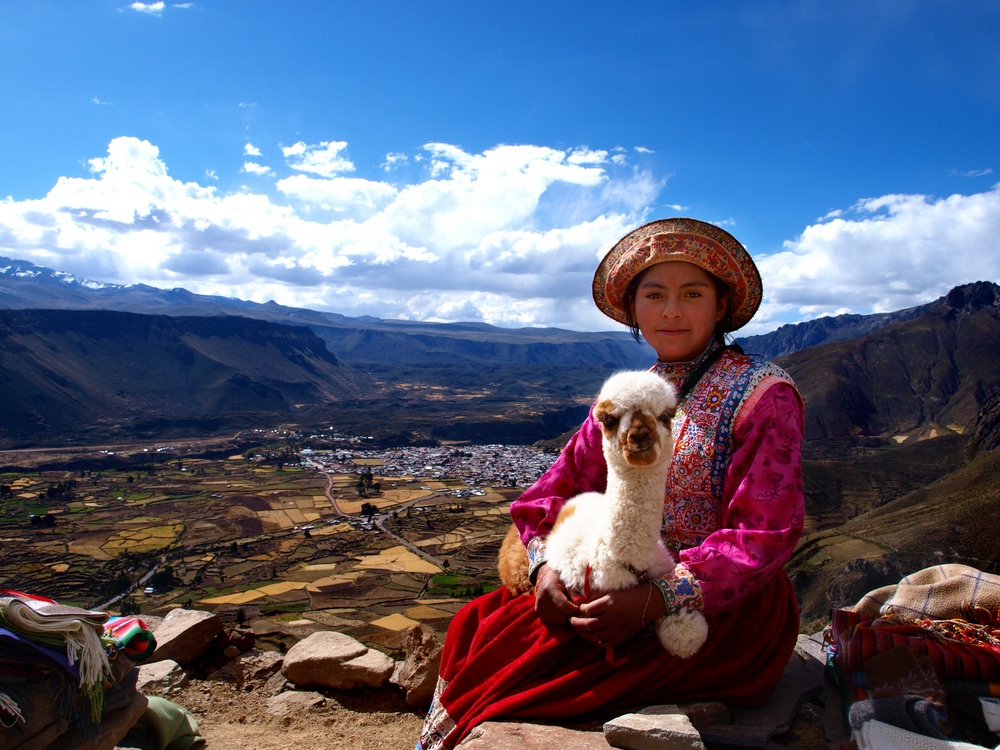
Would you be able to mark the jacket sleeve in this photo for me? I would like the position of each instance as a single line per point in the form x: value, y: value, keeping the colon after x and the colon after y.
x: 579, y: 468
x: 764, y: 504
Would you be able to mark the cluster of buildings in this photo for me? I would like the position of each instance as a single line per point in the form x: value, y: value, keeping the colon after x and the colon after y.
x: 476, y: 465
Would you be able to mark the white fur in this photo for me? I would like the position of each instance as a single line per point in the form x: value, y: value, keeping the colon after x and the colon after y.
x: 616, y: 532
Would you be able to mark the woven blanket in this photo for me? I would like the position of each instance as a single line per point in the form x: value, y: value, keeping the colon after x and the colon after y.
x: 938, y: 593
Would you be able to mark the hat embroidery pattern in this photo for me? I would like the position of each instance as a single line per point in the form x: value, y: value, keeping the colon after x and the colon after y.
x: 688, y: 240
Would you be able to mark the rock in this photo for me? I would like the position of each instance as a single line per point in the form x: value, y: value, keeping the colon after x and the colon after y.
x: 504, y: 735
x: 333, y: 660
x: 161, y: 677
x: 701, y: 714
x: 242, y: 639
x: 260, y: 665
x: 802, y: 680
x: 184, y: 635
x: 293, y: 701
x: 419, y: 672
x: 231, y: 652
x: 231, y: 672
x: 275, y: 684
x: 656, y: 728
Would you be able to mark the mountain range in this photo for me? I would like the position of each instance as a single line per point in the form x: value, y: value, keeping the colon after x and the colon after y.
x: 81, y: 359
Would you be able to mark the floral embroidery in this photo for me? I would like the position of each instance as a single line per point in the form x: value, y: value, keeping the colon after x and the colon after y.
x: 703, y: 433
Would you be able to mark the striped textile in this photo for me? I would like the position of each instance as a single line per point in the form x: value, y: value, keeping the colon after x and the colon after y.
x: 938, y: 592
x: 858, y: 637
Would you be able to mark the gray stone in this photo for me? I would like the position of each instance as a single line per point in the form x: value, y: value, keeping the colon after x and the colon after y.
x: 333, y: 660
x: 293, y: 702
x: 161, y: 677
x: 418, y: 674
x: 702, y: 713
x: 504, y: 735
x: 275, y: 684
x: 260, y: 665
x: 663, y: 728
x: 184, y: 635
x: 802, y: 680
x: 811, y: 646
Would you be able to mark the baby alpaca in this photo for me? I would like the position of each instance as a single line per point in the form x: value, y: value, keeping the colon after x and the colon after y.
x: 609, y: 541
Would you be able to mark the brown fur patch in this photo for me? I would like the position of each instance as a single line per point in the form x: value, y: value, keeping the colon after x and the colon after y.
x: 512, y: 564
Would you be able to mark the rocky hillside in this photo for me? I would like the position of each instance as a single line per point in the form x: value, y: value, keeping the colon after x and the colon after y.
x: 912, y: 378
x: 66, y: 375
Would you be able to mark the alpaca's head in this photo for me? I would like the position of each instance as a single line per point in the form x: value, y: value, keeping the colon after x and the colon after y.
x: 635, y: 409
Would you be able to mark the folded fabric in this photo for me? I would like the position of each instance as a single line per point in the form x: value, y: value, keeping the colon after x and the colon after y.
x: 939, y: 592
x: 77, y: 630
x: 908, y: 712
x: 877, y: 735
x: 858, y: 637
x: 164, y: 726
x: 130, y: 636
x: 991, y: 713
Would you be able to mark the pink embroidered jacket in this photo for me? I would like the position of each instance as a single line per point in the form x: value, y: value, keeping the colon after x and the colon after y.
x: 735, y: 530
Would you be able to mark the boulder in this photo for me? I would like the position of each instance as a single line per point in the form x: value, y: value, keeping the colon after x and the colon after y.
x: 507, y: 735
x: 667, y: 728
x: 163, y: 677
x: 333, y: 660
x: 184, y: 635
x: 419, y: 672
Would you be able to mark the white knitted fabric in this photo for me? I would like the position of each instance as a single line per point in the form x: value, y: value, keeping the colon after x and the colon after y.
x: 877, y: 735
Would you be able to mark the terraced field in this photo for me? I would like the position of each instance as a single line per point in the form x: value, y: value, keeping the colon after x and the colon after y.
x: 283, y: 549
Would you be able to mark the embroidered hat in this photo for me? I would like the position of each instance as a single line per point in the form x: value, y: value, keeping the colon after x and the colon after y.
x: 689, y: 240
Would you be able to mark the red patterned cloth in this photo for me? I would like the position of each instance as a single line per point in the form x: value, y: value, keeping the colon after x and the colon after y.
x: 735, y: 509
x: 858, y: 637
x: 501, y: 661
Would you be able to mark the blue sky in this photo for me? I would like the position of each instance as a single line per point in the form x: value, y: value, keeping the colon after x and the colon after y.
x: 472, y: 161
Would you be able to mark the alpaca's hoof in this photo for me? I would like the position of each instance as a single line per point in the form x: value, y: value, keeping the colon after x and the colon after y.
x: 682, y: 633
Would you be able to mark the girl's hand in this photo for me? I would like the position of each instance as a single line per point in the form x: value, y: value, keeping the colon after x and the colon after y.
x: 613, y: 618
x: 552, y: 602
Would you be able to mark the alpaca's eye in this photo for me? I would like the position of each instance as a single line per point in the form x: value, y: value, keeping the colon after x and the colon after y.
x: 609, y: 421
x: 665, y: 418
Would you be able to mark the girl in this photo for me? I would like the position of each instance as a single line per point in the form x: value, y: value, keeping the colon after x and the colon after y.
x: 733, y: 513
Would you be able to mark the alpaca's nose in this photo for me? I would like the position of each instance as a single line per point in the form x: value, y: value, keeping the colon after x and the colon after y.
x: 639, y: 436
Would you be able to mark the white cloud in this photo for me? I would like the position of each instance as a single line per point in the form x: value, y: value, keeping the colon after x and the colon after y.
x: 886, y: 253
x: 254, y: 168
x: 250, y: 150
x: 392, y: 160
x: 324, y: 159
x: 153, y: 9
x: 509, y: 236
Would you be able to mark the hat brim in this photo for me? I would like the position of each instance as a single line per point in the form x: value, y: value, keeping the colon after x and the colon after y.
x: 688, y: 240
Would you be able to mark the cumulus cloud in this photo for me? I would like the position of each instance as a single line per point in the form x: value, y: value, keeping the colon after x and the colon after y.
x: 884, y: 254
x: 251, y: 167
x: 250, y: 150
x: 510, y: 235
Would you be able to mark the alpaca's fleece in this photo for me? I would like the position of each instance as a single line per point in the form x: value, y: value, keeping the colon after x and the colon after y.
x: 600, y: 541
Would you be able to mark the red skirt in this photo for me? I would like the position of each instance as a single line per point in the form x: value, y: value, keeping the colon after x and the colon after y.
x: 501, y: 662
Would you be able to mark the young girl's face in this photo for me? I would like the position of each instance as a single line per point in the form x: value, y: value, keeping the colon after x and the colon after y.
x: 677, y: 306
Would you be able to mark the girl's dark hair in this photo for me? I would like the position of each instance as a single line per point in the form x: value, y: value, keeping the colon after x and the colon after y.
x: 724, y: 326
